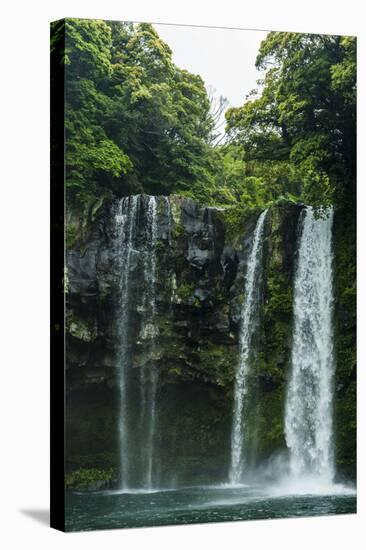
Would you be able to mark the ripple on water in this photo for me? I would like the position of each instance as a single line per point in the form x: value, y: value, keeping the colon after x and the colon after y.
x: 106, y: 510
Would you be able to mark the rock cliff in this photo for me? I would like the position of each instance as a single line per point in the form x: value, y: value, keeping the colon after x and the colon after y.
x: 201, y: 260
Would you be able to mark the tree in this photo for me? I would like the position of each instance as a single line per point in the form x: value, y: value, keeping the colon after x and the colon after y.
x: 306, y: 112
x: 166, y: 110
x: 93, y: 159
x: 134, y: 121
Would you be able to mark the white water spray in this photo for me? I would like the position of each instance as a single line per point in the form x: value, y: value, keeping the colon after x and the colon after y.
x: 308, y: 412
x: 249, y: 320
x: 126, y: 230
x: 134, y: 252
x: 149, y: 373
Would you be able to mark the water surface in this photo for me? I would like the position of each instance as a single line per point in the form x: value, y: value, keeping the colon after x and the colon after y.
x: 109, y: 509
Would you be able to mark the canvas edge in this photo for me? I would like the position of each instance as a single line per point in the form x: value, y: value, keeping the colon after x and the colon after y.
x: 57, y: 309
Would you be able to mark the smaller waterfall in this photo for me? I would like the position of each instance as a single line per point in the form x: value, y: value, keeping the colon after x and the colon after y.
x: 126, y: 221
x: 249, y: 319
x: 136, y: 224
x: 169, y: 217
x: 149, y: 373
x: 308, y: 414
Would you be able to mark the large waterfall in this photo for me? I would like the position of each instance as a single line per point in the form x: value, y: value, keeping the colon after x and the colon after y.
x: 249, y: 321
x: 136, y: 222
x: 308, y: 414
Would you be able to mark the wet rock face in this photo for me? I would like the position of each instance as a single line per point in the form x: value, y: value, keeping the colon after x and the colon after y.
x: 82, y: 272
x: 201, y: 256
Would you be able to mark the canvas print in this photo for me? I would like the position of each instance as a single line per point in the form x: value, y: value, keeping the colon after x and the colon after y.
x: 204, y: 321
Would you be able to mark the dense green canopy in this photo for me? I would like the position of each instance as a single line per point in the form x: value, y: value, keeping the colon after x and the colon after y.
x: 306, y: 112
x: 135, y: 122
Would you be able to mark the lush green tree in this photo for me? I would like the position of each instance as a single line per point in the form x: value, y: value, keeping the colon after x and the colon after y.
x: 252, y: 183
x: 134, y: 121
x: 305, y: 113
x: 93, y: 158
x: 166, y: 110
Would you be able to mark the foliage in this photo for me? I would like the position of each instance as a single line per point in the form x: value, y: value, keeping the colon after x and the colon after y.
x: 252, y: 183
x: 84, y: 477
x: 185, y: 290
x: 219, y: 361
x: 235, y: 219
x: 305, y: 114
x: 134, y: 121
x: 345, y: 339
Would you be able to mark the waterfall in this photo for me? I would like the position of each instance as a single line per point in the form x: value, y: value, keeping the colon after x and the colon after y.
x: 136, y: 253
x: 149, y: 374
x: 249, y: 320
x: 126, y: 221
x: 169, y: 217
x: 308, y: 411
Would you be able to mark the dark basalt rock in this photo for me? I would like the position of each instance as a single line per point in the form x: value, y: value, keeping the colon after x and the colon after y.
x: 82, y: 272
x: 201, y: 268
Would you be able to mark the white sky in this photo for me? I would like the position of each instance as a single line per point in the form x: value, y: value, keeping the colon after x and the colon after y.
x: 224, y: 58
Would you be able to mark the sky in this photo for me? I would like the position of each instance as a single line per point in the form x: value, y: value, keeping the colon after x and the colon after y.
x: 224, y: 58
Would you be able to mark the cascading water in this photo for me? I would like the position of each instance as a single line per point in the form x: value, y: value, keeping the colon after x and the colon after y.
x: 169, y: 218
x: 136, y: 252
x: 126, y: 222
x: 149, y: 373
x: 308, y: 411
x: 249, y: 319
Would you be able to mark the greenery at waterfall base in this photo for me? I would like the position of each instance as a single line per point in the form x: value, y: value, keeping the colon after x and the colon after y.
x: 136, y: 123
x: 87, y: 478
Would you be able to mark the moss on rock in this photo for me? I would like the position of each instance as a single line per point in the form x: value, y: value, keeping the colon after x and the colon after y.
x: 199, y: 300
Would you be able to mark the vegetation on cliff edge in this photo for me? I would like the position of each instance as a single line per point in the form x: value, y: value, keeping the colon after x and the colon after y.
x: 135, y: 122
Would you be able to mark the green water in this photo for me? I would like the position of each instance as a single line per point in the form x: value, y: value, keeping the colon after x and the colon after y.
x: 110, y: 510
